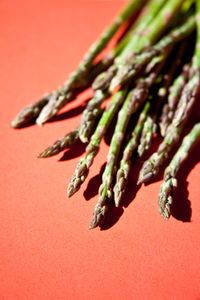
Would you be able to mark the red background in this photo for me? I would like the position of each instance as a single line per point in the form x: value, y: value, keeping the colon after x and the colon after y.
x: 46, y: 249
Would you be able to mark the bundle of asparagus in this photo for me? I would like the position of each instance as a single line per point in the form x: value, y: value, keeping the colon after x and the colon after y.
x: 147, y: 87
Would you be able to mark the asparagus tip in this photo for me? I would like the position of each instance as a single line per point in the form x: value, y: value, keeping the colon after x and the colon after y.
x: 165, y: 213
x: 14, y: 124
x: 51, y: 151
x: 165, y: 198
x: 42, y: 155
x: 147, y: 172
x: 92, y: 226
x: 98, y: 215
x: 73, y: 187
x: 70, y: 192
x: 140, y: 180
x: 117, y: 196
x: 39, y: 122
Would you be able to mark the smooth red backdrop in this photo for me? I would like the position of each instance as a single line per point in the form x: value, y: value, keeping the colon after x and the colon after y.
x: 46, y: 249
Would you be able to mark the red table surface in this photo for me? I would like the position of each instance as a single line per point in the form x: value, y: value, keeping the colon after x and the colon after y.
x: 46, y: 249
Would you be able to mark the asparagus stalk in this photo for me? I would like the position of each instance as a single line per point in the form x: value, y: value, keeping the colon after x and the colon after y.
x: 165, y: 198
x: 148, y: 14
x: 150, y: 124
x: 136, y: 63
x: 61, y: 144
x: 80, y: 78
x: 173, y: 98
x: 59, y: 99
x: 140, y: 39
x: 133, y: 102
x: 90, y: 115
x: 126, y: 63
x: 84, y: 164
x: 30, y: 112
x: 148, y: 130
x: 123, y: 171
x: 122, y: 174
x: 151, y: 167
x: 153, y: 7
x: 89, y: 118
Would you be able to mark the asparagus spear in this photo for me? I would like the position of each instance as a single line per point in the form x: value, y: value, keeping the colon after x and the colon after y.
x: 125, y: 63
x: 80, y: 78
x: 145, y: 119
x: 61, y: 144
x: 123, y: 171
x: 151, y: 167
x: 90, y: 115
x: 88, y: 119
x: 62, y: 97
x: 133, y: 102
x: 150, y: 124
x: 148, y: 14
x: 189, y: 94
x: 93, y: 110
x: 153, y: 7
x: 30, y: 112
x: 137, y: 62
x: 165, y: 198
x: 173, y: 98
x: 148, y: 130
x: 84, y: 164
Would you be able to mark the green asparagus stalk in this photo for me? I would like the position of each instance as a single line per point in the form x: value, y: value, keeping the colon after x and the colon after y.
x: 151, y: 167
x: 61, y: 144
x: 59, y: 99
x: 189, y: 94
x: 30, y: 112
x: 150, y: 125
x: 136, y: 63
x: 191, y: 89
x: 153, y: 7
x: 84, y: 164
x: 145, y: 119
x: 147, y: 16
x: 88, y: 119
x: 133, y: 102
x: 80, y: 78
x: 90, y: 115
x: 125, y: 164
x: 148, y: 131
x: 173, y: 98
x: 93, y: 108
x: 170, y: 183
x: 125, y: 64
